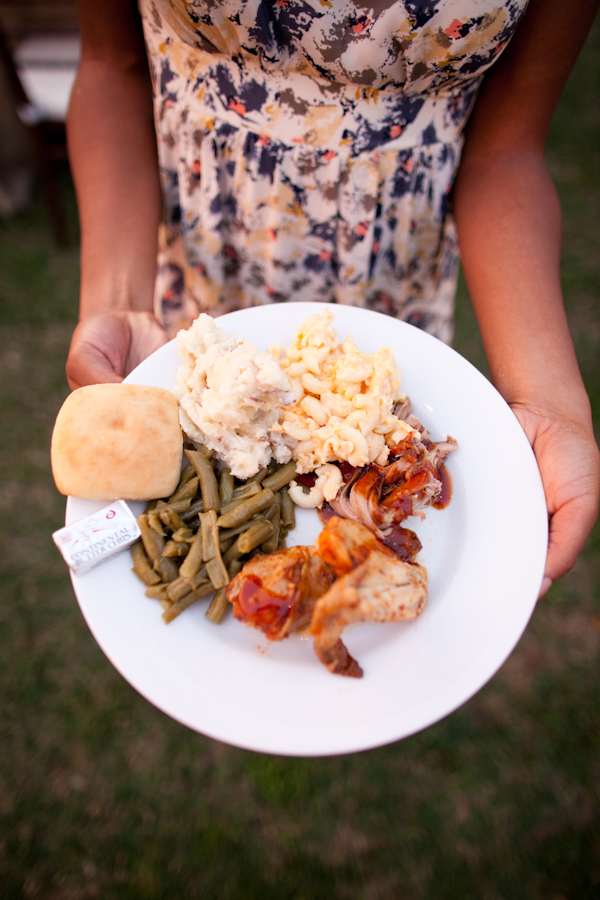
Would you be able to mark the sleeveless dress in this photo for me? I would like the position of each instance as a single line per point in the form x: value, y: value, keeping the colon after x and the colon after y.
x: 307, y: 149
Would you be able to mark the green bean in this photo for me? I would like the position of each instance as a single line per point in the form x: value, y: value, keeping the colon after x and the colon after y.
x: 175, y: 549
x: 288, y: 515
x: 234, y: 552
x: 273, y: 513
x: 141, y: 566
x: 226, y: 533
x: 182, y: 586
x: 178, y: 589
x: 185, y: 535
x: 219, y: 605
x: 257, y: 552
x: 224, y: 545
x: 234, y: 567
x: 246, y: 490
x: 208, y: 481
x: 157, y: 591
x: 153, y: 542
x: 187, y: 473
x: 166, y: 568
x: 170, y: 518
x: 254, y: 537
x: 186, y: 602
x: 193, y: 561
x: 209, y: 535
x: 206, y: 452
x: 196, y: 508
x: 154, y: 522
x: 200, y: 578
x: 211, y: 550
x: 187, y: 489
x: 150, y: 506
x: 260, y: 475
x: 226, y: 487
x: 180, y: 506
x: 234, y: 522
x: 217, y: 572
x: 246, y: 509
x: 272, y: 543
x: 233, y: 505
x: 281, y: 477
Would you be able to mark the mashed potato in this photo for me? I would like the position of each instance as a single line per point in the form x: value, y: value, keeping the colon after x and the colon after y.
x: 231, y: 398
x: 345, y: 399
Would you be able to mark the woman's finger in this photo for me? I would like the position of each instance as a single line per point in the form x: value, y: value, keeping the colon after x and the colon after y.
x: 107, y: 347
x: 99, y: 350
x: 569, y: 528
x: 146, y: 336
x: 87, y: 364
x: 569, y: 463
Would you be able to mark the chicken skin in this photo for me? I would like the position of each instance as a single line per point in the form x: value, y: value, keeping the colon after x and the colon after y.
x: 276, y: 593
x: 381, y: 589
x: 345, y: 543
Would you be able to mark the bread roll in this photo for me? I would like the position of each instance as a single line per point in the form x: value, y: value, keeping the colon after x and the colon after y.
x: 117, y: 441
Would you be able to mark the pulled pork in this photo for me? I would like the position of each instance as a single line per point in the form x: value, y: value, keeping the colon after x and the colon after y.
x: 382, y: 496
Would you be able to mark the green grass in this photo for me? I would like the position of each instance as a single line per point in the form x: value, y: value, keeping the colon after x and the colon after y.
x: 103, y: 796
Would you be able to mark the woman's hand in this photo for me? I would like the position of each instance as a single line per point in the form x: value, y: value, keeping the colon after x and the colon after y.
x: 106, y: 347
x: 569, y: 463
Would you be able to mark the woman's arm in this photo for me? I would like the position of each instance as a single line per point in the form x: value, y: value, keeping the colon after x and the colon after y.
x: 112, y: 148
x: 509, y: 226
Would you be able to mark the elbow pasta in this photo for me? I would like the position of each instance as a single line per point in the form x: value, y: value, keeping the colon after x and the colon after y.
x: 344, y: 411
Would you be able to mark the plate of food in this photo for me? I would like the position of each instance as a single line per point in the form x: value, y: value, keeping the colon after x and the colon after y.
x: 359, y: 603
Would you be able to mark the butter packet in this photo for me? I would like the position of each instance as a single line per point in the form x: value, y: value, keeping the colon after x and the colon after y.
x: 97, y: 537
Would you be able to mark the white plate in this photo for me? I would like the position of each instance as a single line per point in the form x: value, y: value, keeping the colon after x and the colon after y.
x: 485, y: 554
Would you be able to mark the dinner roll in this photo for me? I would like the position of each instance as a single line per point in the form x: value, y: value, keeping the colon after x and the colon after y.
x: 117, y: 441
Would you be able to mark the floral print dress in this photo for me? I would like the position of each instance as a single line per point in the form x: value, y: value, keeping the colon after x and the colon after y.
x: 308, y: 148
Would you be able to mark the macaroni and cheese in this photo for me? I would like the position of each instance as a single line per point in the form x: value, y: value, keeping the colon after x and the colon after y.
x: 346, y: 398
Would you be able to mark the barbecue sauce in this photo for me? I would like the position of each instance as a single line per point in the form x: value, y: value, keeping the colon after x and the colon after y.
x: 446, y: 493
x: 306, y: 480
x: 404, y: 543
x: 325, y: 513
x: 266, y: 610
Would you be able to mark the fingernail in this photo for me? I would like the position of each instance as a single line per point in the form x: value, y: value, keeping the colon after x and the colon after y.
x: 546, y: 585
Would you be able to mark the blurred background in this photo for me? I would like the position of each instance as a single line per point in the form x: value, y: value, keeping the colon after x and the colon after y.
x: 101, y: 795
